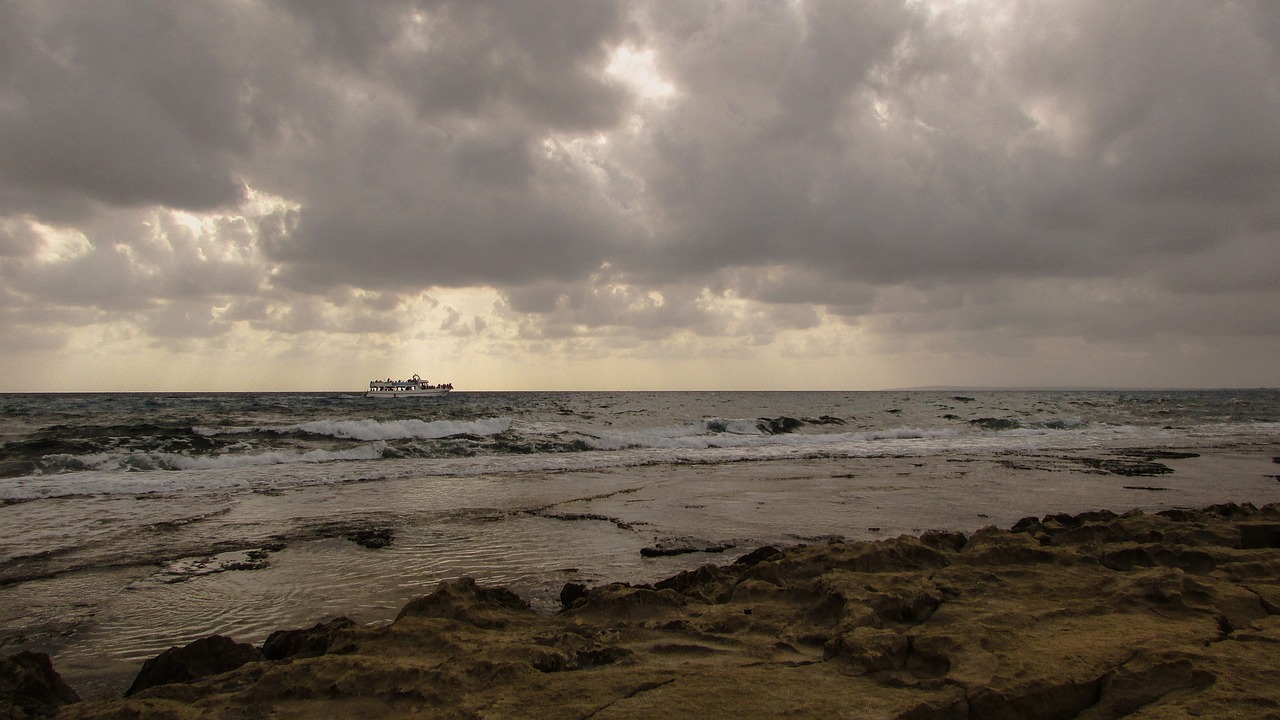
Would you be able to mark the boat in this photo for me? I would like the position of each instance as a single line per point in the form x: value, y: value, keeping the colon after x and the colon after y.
x: 413, y: 387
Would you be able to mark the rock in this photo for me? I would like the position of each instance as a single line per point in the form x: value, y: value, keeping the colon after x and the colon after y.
x: 1127, y: 466
x: 309, y: 642
x: 1027, y: 524
x: 1150, y: 615
x: 1259, y: 534
x: 571, y: 592
x: 1232, y: 510
x: 779, y: 425
x: 690, y: 579
x: 372, y: 538
x: 997, y: 424
x: 213, y: 655
x: 1168, y: 454
x: 661, y: 550
x: 466, y: 601
x: 894, y: 555
x: 990, y: 546
x: 944, y: 540
x: 30, y: 687
x: 571, y: 651
x: 759, y: 555
x: 626, y: 602
x: 1040, y: 698
x: 868, y: 649
x: 666, y: 550
x: 1096, y: 516
x: 1142, y: 681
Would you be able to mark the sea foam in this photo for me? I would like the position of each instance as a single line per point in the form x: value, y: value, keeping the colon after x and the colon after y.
x: 721, y: 433
x: 369, y: 430
x: 401, y: 429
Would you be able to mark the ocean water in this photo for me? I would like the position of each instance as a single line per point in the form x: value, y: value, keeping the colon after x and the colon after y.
x: 134, y: 522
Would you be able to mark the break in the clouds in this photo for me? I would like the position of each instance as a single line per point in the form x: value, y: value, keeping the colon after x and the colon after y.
x: 875, y: 193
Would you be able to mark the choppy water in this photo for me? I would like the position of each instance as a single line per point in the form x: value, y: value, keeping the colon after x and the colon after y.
x: 59, y: 445
x: 137, y: 521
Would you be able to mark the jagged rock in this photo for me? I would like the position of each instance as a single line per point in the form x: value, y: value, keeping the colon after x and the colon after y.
x: 571, y: 593
x: 31, y: 688
x: 1027, y: 524
x: 944, y: 540
x: 1087, y: 616
x: 308, y: 642
x: 466, y: 601
x: 706, y: 583
x: 760, y: 554
x: 895, y: 555
x: 208, y: 656
x: 627, y: 602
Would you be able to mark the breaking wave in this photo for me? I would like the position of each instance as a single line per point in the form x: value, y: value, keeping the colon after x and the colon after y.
x: 370, y: 430
x: 721, y: 433
x: 124, y: 462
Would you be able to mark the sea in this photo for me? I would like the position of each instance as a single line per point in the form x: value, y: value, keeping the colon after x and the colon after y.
x: 133, y: 522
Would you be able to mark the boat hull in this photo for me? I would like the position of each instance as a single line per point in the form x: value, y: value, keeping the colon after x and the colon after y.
x: 430, y: 392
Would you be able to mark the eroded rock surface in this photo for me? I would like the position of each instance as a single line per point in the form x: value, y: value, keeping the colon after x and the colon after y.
x: 207, y: 656
x: 1090, y: 616
x: 30, y: 687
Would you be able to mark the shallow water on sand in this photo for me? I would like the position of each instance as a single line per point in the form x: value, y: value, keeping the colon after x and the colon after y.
x: 249, y: 564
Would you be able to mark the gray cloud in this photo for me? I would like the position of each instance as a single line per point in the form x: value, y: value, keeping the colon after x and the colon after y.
x: 910, y: 167
x: 123, y: 104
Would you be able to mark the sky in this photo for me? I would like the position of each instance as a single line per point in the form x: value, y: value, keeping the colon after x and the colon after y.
x: 639, y: 195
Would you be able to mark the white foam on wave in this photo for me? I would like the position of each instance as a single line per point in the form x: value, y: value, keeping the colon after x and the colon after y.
x: 402, y: 429
x: 281, y: 471
x: 372, y: 451
x: 685, y: 435
x: 719, y: 433
x: 223, y: 430
x: 370, y: 430
x: 110, y: 473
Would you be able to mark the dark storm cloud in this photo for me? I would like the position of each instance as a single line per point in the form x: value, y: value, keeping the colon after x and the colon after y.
x: 811, y: 155
x: 120, y: 103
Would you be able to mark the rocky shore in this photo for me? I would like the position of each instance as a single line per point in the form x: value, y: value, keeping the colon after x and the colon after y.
x: 1096, y: 615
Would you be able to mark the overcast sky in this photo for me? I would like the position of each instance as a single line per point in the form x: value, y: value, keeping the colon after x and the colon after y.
x: 666, y: 194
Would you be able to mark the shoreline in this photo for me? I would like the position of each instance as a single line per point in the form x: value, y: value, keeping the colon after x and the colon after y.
x: 1092, y: 615
x: 586, y: 528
